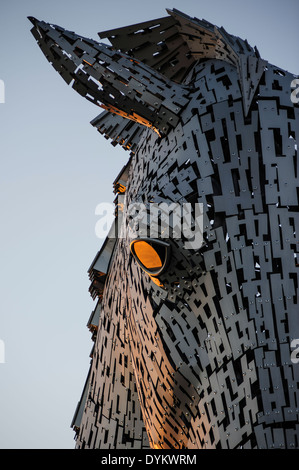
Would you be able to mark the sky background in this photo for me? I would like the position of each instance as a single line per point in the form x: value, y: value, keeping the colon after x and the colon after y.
x: 55, y: 168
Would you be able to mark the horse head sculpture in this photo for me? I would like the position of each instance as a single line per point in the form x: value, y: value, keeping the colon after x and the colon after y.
x: 196, y: 284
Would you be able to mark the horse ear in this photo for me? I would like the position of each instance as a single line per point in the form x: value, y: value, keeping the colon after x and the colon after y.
x: 157, y: 43
x: 173, y: 44
x: 113, y: 80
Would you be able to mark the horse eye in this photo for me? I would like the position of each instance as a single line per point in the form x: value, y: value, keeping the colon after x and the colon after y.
x: 151, y: 255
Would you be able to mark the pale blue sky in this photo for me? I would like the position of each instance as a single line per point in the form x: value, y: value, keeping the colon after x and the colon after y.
x: 55, y: 169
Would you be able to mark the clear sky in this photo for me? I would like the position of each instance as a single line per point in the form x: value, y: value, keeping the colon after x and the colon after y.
x: 55, y: 169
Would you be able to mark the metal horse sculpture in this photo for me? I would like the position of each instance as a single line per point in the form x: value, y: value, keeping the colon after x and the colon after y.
x: 193, y: 346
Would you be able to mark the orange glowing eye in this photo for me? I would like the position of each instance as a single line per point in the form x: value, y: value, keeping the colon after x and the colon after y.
x: 148, y: 256
x: 151, y: 255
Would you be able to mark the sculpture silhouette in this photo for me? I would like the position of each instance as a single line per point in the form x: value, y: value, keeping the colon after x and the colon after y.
x: 193, y: 347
